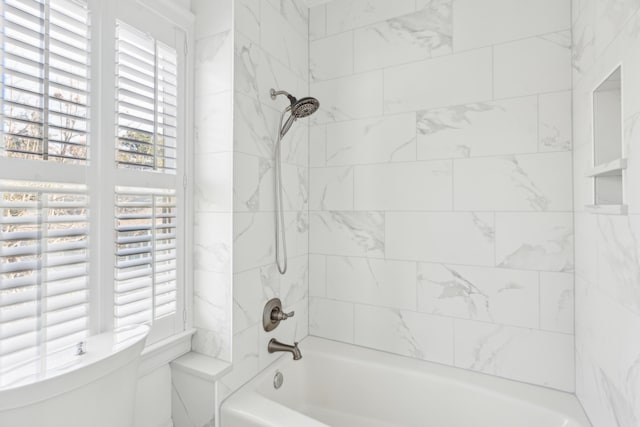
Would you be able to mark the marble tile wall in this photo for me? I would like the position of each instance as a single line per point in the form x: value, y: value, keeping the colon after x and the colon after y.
x: 270, y: 50
x: 213, y: 187
x: 440, y: 195
x: 607, y: 34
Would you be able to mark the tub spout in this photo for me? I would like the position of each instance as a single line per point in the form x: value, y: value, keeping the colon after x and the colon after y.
x: 275, y: 346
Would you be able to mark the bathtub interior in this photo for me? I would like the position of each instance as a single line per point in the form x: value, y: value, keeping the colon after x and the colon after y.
x: 342, y: 386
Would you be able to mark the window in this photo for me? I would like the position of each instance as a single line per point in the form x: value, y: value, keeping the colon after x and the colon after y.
x: 92, y: 187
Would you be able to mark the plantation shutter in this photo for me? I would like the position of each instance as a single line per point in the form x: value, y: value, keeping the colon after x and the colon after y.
x: 44, y: 270
x: 146, y: 255
x: 147, y: 101
x: 44, y: 205
x: 45, y: 80
x: 148, y: 216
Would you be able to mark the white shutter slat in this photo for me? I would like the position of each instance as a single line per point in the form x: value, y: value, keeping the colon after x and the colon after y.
x: 63, y: 68
x: 44, y: 280
x: 145, y: 226
x: 146, y: 101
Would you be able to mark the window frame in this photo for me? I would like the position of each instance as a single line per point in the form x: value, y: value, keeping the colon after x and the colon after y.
x: 101, y: 175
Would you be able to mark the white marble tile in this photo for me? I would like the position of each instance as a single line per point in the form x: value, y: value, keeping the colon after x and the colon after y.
x: 536, y: 182
x: 245, y: 359
x: 347, y: 98
x: 251, y: 289
x: 610, y: 17
x: 417, y: 36
x: 252, y: 183
x: 535, y: 241
x: 619, y: 259
x: 213, y: 241
x: 347, y: 233
x: 608, y: 359
x: 213, y: 182
x: 279, y: 38
x: 212, y: 314
x: 535, y: 65
x: 555, y: 121
x: 295, y: 188
x: 247, y: 18
x: 583, y: 34
x: 347, y: 15
x: 256, y: 72
x: 533, y: 356
x: 331, y: 188
x: 407, y: 333
x: 294, y: 285
x: 331, y: 319
x: 295, y: 12
x: 317, y: 275
x: 317, y: 22
x: 376, y: 140
x: 254, y: 127
x: 586, y: 246
x: 213, y: 64
x: 213, y: 119
x: 253, y: 242
x: 482, y: 129
x: 491, y: 22
x: 508, y: 297
x: 372, y: 281
x: 404, y: 186
x: 556, y: 302
x: 331, y: 57
x: 294, y: 147
x: 317, y: 146
x: 438, y: 82
x: 297, y: 229
x: 452, y: 237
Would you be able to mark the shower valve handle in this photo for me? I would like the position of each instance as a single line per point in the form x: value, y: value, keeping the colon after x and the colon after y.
x: 277, y: 315
x: 273, y: 314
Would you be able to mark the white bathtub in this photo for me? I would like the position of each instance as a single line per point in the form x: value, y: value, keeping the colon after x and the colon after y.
x: 342, y: 385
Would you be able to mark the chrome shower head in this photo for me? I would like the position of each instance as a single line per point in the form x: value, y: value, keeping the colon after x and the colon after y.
x: 298, y: 108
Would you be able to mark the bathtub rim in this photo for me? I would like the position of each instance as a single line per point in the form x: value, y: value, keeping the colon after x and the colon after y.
x: 553, y: 400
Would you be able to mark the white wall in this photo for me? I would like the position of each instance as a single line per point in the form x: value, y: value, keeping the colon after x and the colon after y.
x: 440, y: 192
x: 606, y: 34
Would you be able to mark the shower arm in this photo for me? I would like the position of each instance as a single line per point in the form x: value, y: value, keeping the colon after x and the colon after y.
x: 274, y: 94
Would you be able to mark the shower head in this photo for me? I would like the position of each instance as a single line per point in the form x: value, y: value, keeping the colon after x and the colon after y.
x: 304, y: 107
x: 298, y: 108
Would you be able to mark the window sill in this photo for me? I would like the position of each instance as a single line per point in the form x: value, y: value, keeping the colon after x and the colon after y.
x: 161, y: 353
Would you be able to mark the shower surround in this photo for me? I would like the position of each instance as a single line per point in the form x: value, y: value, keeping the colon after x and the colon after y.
x: 429, y: 202
x: 606, y: 34
x: 440, y: 202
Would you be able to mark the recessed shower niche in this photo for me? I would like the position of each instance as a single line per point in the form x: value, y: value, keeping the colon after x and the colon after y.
x: 609, y: 162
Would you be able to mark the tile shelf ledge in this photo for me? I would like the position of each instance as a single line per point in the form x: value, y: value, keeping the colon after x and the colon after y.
x: 607, y: 209
x: 614, y: 167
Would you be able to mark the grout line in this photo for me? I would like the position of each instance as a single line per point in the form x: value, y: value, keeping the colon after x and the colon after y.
x: 444, y: 316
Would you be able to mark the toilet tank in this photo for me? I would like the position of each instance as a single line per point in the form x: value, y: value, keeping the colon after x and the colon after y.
x: 94, y: 389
